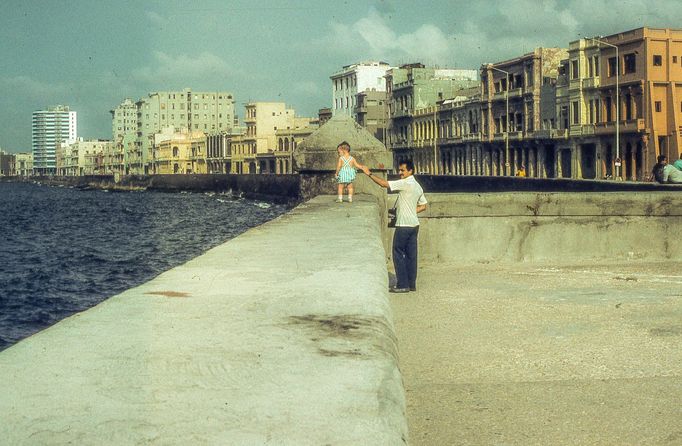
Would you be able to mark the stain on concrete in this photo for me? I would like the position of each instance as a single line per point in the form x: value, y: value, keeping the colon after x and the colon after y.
x: 348, y: 335
x: 665, y: 331
x: 168, y: 293
x: 336, y: 326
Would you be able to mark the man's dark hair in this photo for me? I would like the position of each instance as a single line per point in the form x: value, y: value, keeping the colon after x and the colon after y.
x: 661, y: 158
x: 409, y: 165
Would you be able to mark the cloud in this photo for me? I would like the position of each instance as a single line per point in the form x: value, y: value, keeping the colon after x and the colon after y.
x: 33, y: 88
x: 167, y: 68
x: 372, y: 37
x: 156, y: 18
x: 307, y: 88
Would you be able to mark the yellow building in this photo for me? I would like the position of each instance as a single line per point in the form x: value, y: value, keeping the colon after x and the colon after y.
x: 182, y: 152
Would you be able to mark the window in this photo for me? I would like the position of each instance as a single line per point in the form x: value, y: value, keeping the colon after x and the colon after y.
x: 576, y: 112
x: 629, y: 63
x: 574, y: 69
x: 658, y: 106
x: 674, y: 59
x: 658, y: 60
x: 613, y: 63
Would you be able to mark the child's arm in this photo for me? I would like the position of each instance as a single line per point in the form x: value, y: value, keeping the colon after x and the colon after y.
x: 356, y: 164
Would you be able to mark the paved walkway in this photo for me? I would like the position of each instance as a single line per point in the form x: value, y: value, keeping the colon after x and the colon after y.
x: 540, y: 355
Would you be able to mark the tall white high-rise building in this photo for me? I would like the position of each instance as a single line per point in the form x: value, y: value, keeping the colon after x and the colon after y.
x: 50, y: 128
x: 354, y: 79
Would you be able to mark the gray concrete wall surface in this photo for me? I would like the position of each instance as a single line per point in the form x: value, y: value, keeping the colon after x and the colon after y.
x: 283, y: 335
x: 557, y: 227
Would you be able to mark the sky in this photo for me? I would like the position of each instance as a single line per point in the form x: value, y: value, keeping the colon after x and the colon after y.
x: 91, y: 55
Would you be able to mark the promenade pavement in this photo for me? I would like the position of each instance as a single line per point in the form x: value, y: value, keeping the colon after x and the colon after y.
x: 530, y: 354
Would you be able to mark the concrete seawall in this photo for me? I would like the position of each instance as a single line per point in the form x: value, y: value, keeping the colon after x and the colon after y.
x: 283, y: 335
x: 557, y: 227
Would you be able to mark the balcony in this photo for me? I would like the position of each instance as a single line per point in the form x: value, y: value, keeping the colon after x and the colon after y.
x: 471, y: 137
x: 450, y: 140
x: 402, y: 113
x: 551, y: 134
x: 582, y: 130
x: 591, y: 82
x: 628, y: 126
x: 397, y: 145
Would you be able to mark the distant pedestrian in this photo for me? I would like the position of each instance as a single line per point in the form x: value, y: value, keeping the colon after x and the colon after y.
x: 345, y: 172
x: 521, y: 172
x: 410, y: 202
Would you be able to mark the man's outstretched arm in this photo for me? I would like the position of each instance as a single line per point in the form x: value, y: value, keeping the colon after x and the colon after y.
x: 380, y: 181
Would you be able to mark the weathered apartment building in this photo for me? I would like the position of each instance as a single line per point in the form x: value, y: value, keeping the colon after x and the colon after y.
x: 82, y: 157
x: 134, y: 124
x: 603, y: 108
x: 7, y: 164
x: 23, y: 164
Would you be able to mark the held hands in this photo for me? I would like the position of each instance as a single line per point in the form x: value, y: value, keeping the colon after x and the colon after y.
x: 364, y: 169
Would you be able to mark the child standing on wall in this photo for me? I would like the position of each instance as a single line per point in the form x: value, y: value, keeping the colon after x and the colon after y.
x: 345, y: 171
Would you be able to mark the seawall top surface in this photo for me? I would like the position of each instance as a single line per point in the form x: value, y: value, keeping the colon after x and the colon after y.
x: 282, y: 335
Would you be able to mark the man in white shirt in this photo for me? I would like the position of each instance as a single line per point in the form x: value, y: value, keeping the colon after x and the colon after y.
x: 410, y: 202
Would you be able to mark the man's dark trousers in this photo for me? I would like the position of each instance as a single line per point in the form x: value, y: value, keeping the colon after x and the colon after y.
x: 405, y: 256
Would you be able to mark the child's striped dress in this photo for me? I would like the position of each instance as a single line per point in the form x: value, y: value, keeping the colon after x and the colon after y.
x: 347, y: 172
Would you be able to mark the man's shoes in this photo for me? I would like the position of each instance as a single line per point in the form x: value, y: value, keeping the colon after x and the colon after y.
x: 398, y: 290
x: 412, y: 288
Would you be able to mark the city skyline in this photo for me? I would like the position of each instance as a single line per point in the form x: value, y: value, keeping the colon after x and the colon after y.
x: 91, y: 57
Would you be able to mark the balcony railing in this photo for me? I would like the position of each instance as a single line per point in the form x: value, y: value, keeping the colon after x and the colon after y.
x: 400, y: 113
x: 591, y: 82
x: 472, y: 137
x: 582, y: 130
x: 627, y: 126
x: 551, y: 134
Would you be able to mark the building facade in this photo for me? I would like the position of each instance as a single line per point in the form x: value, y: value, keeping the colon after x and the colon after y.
x: 179, y: 152
x: 415, y: 87
x: 49, y: 128
x: 23, y: 164
x: 7, y: 164
x: 371, y: 112
x: 208, y: 112
x: 647, y: 103
x: 82, y: 157
x: 254, y: 152
x: 354, y: 79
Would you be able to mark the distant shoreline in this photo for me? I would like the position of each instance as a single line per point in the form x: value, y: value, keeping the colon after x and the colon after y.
x: 283, y: 189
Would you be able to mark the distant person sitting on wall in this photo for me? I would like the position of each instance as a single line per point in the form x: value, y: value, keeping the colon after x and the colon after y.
x: 678, y: 163
x: 657, y: 171
x: 345, y: 172
x: 411, y: 201
x: 671, y: 174
x: 666, y: 173
x: 521, y: 172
